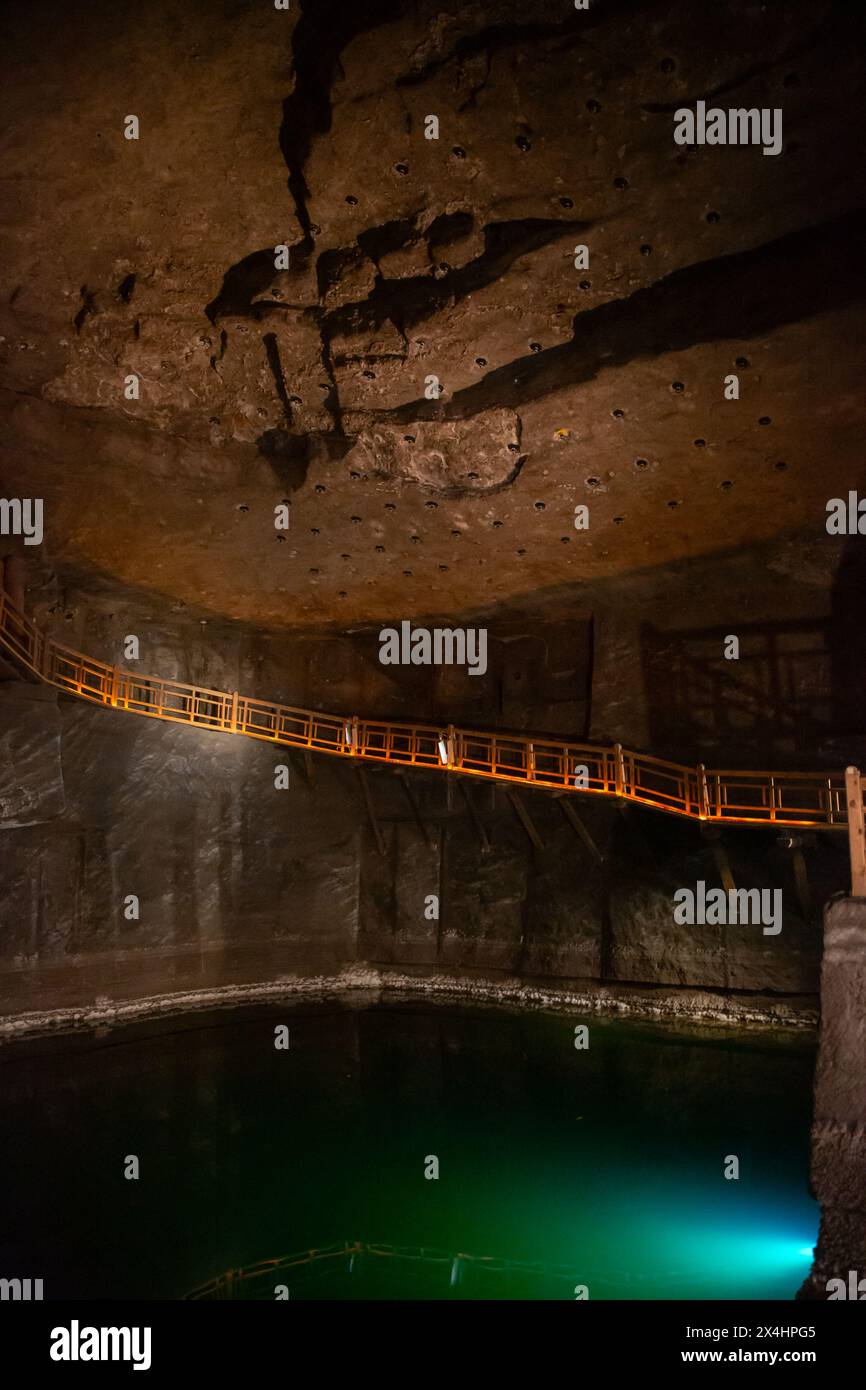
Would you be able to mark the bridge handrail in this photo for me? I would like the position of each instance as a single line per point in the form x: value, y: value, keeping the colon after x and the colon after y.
x: 742, y: 797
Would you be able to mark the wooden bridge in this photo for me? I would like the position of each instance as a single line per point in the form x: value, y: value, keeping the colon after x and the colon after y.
x: 739, y: 797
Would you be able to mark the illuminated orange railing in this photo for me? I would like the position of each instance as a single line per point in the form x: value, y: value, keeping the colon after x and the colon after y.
x: 738, y: 797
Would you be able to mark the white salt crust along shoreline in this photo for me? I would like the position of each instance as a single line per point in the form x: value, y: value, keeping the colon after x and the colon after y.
x: 368, y: 985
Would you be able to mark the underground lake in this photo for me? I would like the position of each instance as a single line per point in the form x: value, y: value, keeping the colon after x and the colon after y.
x: 408, y: 1149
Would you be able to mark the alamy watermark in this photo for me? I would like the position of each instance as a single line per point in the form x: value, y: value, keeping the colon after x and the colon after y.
x: 846, y: 516
x: 855, y: 1290
x: 441, y: 646
x: 21, y: 1290
x: 736, y: 126
x: 77, y: 1343
x: 716, y: 907
x: 22, y: 516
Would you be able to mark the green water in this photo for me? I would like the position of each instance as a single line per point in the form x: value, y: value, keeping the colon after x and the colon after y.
x: 557, y: 1167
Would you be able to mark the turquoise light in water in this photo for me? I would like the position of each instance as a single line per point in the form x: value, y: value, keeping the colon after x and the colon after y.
x: 560, y: 1169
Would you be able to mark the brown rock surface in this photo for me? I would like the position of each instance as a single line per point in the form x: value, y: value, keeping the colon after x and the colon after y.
x: 413, y: 257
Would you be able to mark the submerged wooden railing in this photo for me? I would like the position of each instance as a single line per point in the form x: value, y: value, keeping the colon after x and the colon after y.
x: 456, y: 1267
x: 258, y: 1280
x: 706, y: 794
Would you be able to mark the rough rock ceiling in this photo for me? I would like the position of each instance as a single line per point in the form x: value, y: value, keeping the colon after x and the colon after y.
x: 412, y: 257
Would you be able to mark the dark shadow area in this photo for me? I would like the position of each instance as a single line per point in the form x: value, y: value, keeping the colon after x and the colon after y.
x: 848, y: 641
x: 806, y: 272
x: 774, y: 698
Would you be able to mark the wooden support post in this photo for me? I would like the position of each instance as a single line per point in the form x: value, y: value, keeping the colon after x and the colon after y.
x: 371, y: 809
x: 233, y: 718
x: 619, y: 769
x: 476, y: 819
x: 723, y: 864
x: 856, y: 831
x: 309, y: 768
x: 525, y: 819
x: 579, y: 828
x: 410, y: 797
x: 451, y: 745
x: 703, y: 792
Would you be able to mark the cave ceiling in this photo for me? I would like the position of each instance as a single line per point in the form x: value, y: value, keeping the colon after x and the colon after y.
x: 411, y: 258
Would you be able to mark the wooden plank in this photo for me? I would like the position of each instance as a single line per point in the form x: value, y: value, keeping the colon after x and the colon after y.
x: 476, y: 819
x: 371, y: 809
x: 410, y: 797
x: 579, y: 828
x: 856, y: 831
x: 525, y: 818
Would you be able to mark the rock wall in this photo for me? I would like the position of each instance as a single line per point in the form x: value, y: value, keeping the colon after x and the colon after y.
x: 238, y: 880
x: 839, y: 1124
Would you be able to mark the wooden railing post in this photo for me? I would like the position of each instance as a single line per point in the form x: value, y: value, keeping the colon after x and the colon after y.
x: 618, y: 769
x: 450, y: 745
x: 233, y: 717
x: 703, y: 793
x: 856, y: 832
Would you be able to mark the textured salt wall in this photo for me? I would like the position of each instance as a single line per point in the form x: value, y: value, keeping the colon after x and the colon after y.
x: 839, y: 1124
x: 239, y: 881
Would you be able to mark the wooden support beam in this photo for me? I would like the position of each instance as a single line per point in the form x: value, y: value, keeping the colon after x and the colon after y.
x: 856, y: 831
x: 449, y: 794
x: 476, y: 819
x: 579, y: 828
x: 371, y: 809
x: 410, y: 797
x: 310, y: 768
x: 723, y: 864
x: 525, y: 819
